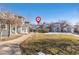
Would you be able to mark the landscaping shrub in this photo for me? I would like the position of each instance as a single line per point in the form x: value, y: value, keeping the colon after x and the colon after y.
x: 43, y: 31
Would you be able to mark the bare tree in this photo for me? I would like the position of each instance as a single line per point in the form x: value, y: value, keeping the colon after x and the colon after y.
x: 63, y: 24
x: 2, y: 22
x: 17, y: 22
x: 10, y: 19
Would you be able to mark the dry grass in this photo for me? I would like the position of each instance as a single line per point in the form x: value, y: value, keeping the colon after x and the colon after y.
x: 51, y: 44
x: 40, y: 36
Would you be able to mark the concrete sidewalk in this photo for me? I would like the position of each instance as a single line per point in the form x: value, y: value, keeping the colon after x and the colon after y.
x: 63, y: 33
x: 18, y: 40
x: 12, y: 47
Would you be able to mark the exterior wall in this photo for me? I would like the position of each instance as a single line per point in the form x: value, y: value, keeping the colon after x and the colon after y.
x: 67, y: 29
x: 76, y: 29
x: 20, y: 30
x: 23, y: 29
x: 57, y: 28
x: 72, y: 30
x: 4, y: 33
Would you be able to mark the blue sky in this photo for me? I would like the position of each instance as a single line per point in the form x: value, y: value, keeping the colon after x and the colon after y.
x: 48, y: 12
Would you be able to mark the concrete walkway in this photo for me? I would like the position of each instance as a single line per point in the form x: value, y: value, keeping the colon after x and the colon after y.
x: 12, y: 47
x: 64, y: 33
x: 18, y: 40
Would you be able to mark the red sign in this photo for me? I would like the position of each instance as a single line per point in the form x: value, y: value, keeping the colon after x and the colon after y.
x: 38, y: 19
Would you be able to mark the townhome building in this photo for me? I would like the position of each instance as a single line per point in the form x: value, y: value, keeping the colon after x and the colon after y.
x: 61, y: 27
x: 14, y: 29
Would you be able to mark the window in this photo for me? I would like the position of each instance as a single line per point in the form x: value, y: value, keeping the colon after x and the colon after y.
x: 3, y: 26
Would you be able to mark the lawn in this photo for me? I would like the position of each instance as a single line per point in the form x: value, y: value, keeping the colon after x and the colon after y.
x: 54, y: 44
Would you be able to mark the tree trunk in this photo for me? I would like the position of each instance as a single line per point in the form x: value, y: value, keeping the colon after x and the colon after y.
x: 9, y: 30
x: 20, y: 29
x: 1, y: 35
x: 16, y: 29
